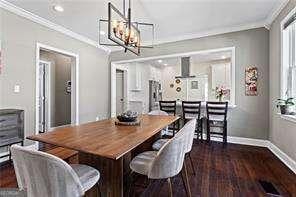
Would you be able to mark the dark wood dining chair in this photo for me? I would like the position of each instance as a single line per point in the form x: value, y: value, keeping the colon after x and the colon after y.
x: 170, y: 107
x: 217, y: 118
x: 191, y: 110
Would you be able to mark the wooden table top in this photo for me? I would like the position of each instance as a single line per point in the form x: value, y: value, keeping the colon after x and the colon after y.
x: 104, y: 138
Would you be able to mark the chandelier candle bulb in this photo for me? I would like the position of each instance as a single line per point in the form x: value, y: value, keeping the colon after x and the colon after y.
x: 121, y: 28
x: 114, y: 26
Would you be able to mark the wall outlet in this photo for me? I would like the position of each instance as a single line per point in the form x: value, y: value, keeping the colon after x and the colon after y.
x: 16, y: 89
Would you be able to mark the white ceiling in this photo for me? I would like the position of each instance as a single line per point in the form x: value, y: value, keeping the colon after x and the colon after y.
x: 173, y: 19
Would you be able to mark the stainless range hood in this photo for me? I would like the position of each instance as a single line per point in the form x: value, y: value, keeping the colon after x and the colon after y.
x: 185, y: 68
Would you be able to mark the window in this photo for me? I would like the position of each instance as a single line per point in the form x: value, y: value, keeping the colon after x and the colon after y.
x: 288, y: 87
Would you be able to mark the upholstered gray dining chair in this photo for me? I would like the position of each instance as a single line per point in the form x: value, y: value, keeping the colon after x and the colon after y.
x: 42, y: 174
x: 165, y: 163
x: 160, y: 113
x: 190, y: 128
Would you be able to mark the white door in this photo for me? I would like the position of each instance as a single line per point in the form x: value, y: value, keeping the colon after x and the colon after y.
x: 119, y: 92
x: 43, y: 104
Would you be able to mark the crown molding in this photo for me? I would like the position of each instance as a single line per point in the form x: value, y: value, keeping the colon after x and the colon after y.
x: 44, y: 22
x: 274, y: 13
x: 214, y: 32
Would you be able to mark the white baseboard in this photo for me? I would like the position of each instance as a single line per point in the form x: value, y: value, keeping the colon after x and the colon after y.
x: 288, y: 161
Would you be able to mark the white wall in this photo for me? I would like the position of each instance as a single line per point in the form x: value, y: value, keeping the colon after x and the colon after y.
x: 282, y: 132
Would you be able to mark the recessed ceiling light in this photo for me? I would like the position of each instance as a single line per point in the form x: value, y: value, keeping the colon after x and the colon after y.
x: 223, y: 57
x: 159, y: 61
x: 102, y: 32
x: 165, y: 64
x: 58, y: 8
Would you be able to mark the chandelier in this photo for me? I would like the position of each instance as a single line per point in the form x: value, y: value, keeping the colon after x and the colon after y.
x: 122, y: 31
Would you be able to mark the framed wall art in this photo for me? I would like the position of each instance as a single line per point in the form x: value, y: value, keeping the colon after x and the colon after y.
x: 251, y: 75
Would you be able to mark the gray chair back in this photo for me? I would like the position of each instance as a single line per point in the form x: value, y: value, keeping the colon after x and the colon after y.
x: 189, y: 127
x: 42, y: 174
x: 158, y: 113
x: 170, y: 158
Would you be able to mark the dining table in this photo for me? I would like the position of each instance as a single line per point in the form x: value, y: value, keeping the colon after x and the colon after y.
x: 108, y: 147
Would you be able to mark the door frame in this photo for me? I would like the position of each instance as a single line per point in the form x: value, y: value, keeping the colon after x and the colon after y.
x: 232, y: 49
x: 74, y: 83
x: 115, y: 67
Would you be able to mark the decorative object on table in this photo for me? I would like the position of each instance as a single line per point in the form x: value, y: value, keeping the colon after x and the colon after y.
x: 287, y: 106
x: 178, y: 81
x: 194, y: 85
x: 251, y: 81
x: 221, y: 92
x: 122, y: 31
x: 171, y: 85
x: 1, y: 61
x: 128, y: 118
x: 178, y: 89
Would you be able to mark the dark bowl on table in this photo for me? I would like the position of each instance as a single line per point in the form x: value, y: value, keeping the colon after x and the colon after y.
x: 127, y: 119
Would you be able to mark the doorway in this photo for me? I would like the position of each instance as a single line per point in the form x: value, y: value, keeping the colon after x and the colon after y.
x: 119, y: 91
x: 56, y: 88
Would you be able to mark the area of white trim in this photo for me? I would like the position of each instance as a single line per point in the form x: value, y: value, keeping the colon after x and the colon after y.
x: 241, y: 140
x: 274, y: 13
x: 37, y: 19
x: 291, y: 118
x: 74, y: 75
x: 288, y: 161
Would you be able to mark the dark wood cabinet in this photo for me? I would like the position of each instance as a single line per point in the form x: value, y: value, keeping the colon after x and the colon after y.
x: 11, y: 127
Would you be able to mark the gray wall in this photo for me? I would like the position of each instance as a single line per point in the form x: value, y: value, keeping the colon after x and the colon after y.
x: 282, y: 132
x: 19, y: 37
x: 61, y: 66
x: 250, y: 117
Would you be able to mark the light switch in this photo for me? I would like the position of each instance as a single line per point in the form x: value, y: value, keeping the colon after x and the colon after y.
x: 16, y: 88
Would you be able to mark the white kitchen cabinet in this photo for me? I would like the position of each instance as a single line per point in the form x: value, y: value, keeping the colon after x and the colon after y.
x: 154, y: 73
x: 135, y: 77
x: 221, y: 75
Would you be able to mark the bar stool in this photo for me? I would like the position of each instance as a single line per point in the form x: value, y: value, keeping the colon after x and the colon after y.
x: 217, y: 118
x: 170, y: 108
x: 41, y: 174
x: 191, y: 110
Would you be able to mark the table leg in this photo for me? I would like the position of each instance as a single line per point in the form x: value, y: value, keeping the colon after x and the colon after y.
x: 111, y: 180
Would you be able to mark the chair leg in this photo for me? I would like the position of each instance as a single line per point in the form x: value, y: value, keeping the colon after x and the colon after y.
x: 201, y: 129
x: 130, y: 183
x: 208, y: 132
x: 191, y: 162
x: 186, y: 180
x: 225, y: 133
x: 170, y: 187
x: 99, y: 189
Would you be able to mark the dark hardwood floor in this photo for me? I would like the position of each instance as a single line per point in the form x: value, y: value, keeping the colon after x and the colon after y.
x: 233, y: 170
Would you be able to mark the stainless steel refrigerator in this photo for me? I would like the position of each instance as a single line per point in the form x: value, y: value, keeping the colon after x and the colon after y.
x: 155, y: 94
